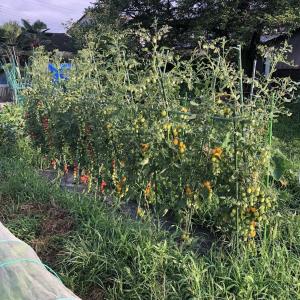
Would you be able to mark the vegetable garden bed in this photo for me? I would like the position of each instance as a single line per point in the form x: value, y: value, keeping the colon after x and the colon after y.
x: 156, y: 148
x: 186, y: 141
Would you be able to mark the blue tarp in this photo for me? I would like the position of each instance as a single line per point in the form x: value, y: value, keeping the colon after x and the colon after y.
x: 3, y: 79
x: 59, y: 74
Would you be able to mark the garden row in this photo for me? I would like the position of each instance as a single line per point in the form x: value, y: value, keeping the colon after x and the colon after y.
x: 188, y: 138
x: 101, y: 254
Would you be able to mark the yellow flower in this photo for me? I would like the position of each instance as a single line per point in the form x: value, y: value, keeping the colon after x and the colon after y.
x: 252, y: 228
x: 185, y: 237
x: 167, y: 126
x: 226, y: 111
x: 175, y: 141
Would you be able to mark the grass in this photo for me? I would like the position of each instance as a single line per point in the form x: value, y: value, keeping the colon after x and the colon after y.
x: 109, y: 256
x: 102, y: 254
x: 287, y: 130
x: 287, y: 139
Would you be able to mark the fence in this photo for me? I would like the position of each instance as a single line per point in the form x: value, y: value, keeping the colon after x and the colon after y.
x: 5, y: 93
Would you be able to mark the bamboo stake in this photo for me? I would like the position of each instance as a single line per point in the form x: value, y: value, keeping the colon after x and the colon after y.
x: 235, y: 126
x: 253, y: 78
x: 241, y: 72
x: 270, y: 136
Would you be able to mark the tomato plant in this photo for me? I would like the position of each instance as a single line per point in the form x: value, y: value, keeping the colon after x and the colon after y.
x: 178, y: 136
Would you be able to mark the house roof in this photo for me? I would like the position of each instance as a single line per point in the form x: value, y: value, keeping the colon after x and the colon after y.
x: 83, y: 19
x: 293, y: 39
x: 267, y: 38
x: 61, y: 41
x: 278, y: 38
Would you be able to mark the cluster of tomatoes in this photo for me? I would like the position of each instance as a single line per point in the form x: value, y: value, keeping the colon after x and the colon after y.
x: 252, y: 211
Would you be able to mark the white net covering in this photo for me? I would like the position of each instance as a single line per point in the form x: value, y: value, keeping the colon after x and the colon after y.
x: 23, y: 276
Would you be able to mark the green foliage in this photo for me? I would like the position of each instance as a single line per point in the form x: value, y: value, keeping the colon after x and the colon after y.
x: 287, y: 131
x: 9, y: 33
x: 32, y: 34
x: 280, y: 164
x: 113, y: 257
x: 23, y: 37
x: 239, y: 20
x: 11, y: 125
x: 26, y: 227
x: 183, y: 141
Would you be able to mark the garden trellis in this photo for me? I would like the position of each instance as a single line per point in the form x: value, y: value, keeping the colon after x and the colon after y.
x: 17, y: 79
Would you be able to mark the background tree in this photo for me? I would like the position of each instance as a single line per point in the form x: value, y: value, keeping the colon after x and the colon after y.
x: 131, y: 14
x: 32, y: 34
x: 9, y: 33
x: 241, y: 21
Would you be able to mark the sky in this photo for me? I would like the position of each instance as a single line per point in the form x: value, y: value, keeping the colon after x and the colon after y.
x: 51, y: 12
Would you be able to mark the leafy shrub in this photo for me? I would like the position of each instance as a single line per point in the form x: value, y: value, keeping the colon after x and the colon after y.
x: 11, y: 125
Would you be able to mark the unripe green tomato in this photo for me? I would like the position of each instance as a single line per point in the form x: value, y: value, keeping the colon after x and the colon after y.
x: 164, y: 113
